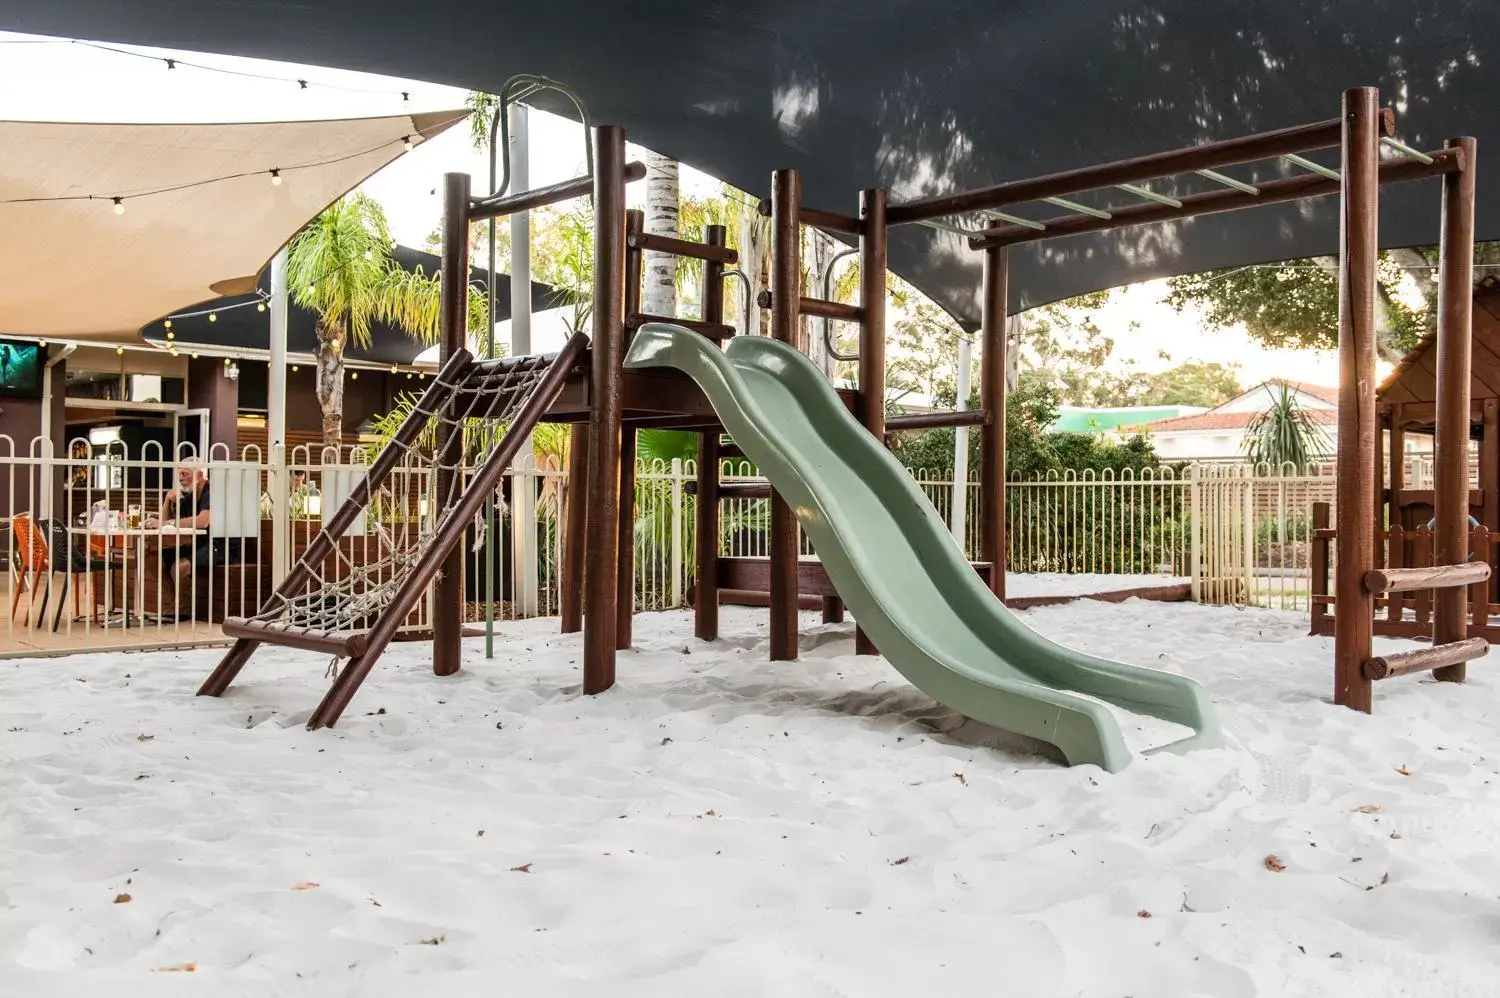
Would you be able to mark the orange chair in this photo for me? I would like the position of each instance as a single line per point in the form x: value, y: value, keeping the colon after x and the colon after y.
x: 43, y: 548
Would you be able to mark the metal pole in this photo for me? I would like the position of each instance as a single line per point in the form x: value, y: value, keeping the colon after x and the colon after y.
x: 281, y: 547
x: 491, y: 522
x: 960, y: 506
x: 523, y: 480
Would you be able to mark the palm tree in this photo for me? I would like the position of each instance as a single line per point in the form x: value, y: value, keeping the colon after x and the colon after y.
x: 340, y: 267
x: 1284, y: 433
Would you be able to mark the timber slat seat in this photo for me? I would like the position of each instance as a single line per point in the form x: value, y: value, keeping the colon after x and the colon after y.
x: 345, y: 644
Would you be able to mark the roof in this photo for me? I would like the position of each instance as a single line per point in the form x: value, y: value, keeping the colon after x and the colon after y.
x: 1071, y: 419
x: 247, y: 328
x: 197, y: 214
x: 961, y: 95
x: 1414, y: 378
x: 1209, y: 421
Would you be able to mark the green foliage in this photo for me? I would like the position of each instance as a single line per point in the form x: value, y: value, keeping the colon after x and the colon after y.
x: 1030, y: 450
x: 1284, y: 433
x: 1191, y: 383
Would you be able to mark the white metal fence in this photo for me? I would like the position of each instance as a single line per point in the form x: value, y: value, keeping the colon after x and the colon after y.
x: 85, y: 573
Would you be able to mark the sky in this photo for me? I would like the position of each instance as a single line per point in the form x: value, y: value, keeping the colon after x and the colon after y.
x: 49, y: 80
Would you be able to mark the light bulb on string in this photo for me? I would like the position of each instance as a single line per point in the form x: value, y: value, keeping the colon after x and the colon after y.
x: 42, y: 344
x: 119, y: 351
x: 119, y: 205
x: 213, y: 317
x: 260, y: 306
x: 226, y: 362
x: 167, y: 324
x: 171, y: 336
x: 275, y: 177
x: 406, y: 143
x: 353, y: 375
x: 294, y: 368
x: 393, y: 369
x: 195, y: 355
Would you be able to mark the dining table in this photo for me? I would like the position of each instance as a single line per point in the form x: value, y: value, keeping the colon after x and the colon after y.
x: 135, y: 541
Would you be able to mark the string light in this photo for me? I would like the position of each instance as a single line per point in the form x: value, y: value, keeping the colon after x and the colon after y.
x: 260, y: 306
x: 294, y: 368
x: 171, y: 335
x: 119, y: 351
x: 195, y: 355
x: 226, y: 361
x: 353, y: 375
x: 406, y: 143
x: 168, y: 324
x: 171, y: 63
x: 213, y: 317
x: 41, y: 343
x: 302, y: 84
x: 119, y: 205
x: 275, y: 177
x: 393, y: 369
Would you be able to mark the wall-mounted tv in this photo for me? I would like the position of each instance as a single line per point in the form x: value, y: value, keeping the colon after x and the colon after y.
x: 20, y: 369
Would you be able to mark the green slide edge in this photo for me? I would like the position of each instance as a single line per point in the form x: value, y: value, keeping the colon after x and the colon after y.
x: 898, y: 570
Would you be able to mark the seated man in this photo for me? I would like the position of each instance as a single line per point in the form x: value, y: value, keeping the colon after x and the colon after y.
x: 186, y: 555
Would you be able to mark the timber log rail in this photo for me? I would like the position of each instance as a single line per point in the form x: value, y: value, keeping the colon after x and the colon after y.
x: 1405, y: 597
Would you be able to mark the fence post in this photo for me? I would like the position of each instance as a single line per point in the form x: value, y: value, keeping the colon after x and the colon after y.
x: 678, y: 566
x: 1195, y: 531
x: 1248, y: 526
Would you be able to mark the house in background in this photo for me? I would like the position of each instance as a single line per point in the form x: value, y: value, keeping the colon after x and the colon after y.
x: 1218, y: 434
x: 1119, y: 421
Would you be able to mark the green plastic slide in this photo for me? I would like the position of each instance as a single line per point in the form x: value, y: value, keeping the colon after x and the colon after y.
x: 897, y: 568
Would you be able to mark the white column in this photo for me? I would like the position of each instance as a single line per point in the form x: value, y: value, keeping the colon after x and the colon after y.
x: 277, y: 480
x: 959, y: 508
x: 523, y: 494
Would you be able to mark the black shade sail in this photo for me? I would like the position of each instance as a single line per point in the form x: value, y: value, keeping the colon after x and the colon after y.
x: 925, y: 97
x: 244, y: 327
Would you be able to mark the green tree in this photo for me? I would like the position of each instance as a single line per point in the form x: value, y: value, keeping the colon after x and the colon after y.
x: 1284, y: 433
x: 340, y: 267
x: 1296, y: 304
x: 1195, y: 382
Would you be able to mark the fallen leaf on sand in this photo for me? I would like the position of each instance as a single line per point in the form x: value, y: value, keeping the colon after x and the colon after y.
x: 1335, y: 955
x: 144, y: 738
x: 1395, y: 835
x: 523, y: 868
x: 305, y: 885
x: 434, y: 940
x: 1403, y: 770
x: 122, y: 899
x: 479, y: 834
x: 961, y: 778
x: 902, y: 861
x: 1143, y: 913
x: 1366, y: 808
x: 177, y: 968
x: 1274, y: 864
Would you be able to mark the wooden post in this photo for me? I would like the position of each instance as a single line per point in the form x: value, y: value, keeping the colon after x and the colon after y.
x: 453, y: 319
x: 1454, y: 343
x: 635, y: 223
x: 707, y: 513
x: 706, y: 539
x: 1319, y: 584
x: 871, y: 371
x: 1382, y: 420
x: 1489, y: 482
x: 786, y: 295
x: 575, y: 516
x: 993, y: 309
x: 1354, y: 608
x: 625, y: 563
x: 606, y: 409
x: 1397, y: 464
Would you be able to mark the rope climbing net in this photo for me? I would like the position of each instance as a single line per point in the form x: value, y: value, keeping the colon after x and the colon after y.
x: 447, y: 433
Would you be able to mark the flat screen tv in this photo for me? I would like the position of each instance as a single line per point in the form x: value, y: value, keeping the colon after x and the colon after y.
x: 20, y: 369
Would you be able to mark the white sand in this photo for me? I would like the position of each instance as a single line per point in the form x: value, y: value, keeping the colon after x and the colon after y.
x: 1081, y: 583
x: 720, y: 825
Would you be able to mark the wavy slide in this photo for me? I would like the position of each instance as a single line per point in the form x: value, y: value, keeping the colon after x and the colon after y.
x: 897, y: 568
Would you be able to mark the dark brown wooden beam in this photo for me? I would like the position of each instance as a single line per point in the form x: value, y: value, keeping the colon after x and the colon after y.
x: 818, y: 218
x: 564, y: 190
x: 706, y: 539
x: 601, y: 601
x: 872, y: 334
x: 453, y: 324
x: 1295, y: 188
x: 992, y: 388
x: 1205, y: 156
x: 1454, y: 361
x: 716, y: 331
x: 786, y: 286
x: 343, y: 645
x: 1358, y: 256
x: 654, y: 243
x: 932, y: 420
x: 1407, y: 580
x: 1432, y: 659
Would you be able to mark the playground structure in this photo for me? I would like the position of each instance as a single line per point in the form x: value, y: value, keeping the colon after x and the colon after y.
x: 591, y: 387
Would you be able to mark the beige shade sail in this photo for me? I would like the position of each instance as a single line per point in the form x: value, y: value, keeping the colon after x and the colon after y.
x: 72, y: 267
